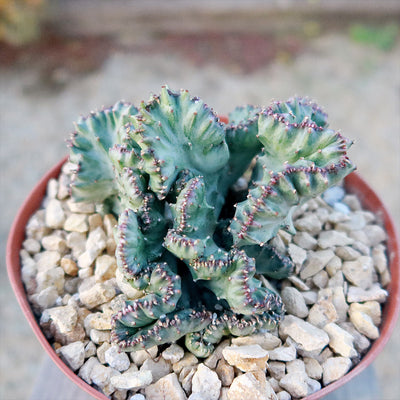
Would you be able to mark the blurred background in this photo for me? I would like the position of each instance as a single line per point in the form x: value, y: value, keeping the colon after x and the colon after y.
x: 63, y: 58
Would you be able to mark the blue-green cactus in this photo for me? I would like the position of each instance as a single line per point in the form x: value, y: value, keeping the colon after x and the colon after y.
x: 181, y: 239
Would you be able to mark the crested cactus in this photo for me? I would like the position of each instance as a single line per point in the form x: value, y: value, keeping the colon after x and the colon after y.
x: 167, y: 168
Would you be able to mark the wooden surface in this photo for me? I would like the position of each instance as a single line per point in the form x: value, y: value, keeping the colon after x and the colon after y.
x: 52, y: 384
x: 137, y: 19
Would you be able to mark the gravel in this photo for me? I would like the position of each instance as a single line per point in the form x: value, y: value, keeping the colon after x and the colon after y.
x: 333, y: 306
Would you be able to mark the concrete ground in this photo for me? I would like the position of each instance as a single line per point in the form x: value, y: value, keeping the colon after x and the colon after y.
x: 357, y: 84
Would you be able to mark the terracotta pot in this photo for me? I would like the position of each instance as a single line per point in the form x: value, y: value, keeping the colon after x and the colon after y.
x: 354, y: 184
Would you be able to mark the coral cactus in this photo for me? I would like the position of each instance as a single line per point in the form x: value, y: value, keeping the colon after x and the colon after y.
x: 194, y: 247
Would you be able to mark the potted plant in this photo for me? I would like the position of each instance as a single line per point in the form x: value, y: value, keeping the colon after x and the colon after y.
x: 204, y: 210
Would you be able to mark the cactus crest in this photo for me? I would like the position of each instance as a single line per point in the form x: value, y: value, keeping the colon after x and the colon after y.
x: 195, y: 248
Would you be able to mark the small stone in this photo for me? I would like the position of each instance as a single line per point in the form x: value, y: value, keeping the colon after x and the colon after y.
x: 295, y: 366
x: 371, y: 308
x: 36, y: 228
x: 63, y: 318
x: 342, y: 208
x: 54, y: 243
x: 101, y: 352
x: 186, y: 377
x: 309, y: 223
x: 101, y: 376
x: 363, y: 323
x: 52, y: 188
x: 206, y: 383
x: 313, y: 368
x: 95, y: 244
x: 167, y: 387
x: 308, y: 337
x: 320, y: 279
x: 69, y: 266
x: 158, y: 367
x: 246, y: 358
x: 99, y: 293
x: 298, y: 283
x: 339, y: 301
x: 31, y: 245
x: 321, y: 313
x: 140, y: 356
x: 381, y: 264
x: 295, y: 383
x: 80, y: 207
x: 333, y: 266
x: 109, y: 223
x: 333, y: 195
x: 63, y: 188
x: 316, y: 262
x: 277, y: 369
x: 47, y: 260
x: 337, y: 280
x: 294, y: 302
x: 283, y: 395
x: 99, y: 320
x: 99, y: 337
x: 347, y: 253
x: 359, y: 295
x: 86, y: 369
x: 137, y: 396
x: 310, y: 297
x: 361, y: 343
x: 340, y: 341
x: 313, y: 386
x: 117, y: 360
x: 352, y: 201
x: 95, y: 221
x: 283, y: 353
x: 225, y: 372
x: 76, y: 242
x: 173, y: 353
x: 55, y: 216
x: 188, y: 360
x: 328, y: 239
x: 73, y: 354
x: 120, y: 394
x: 45, y: 299
x: 359, y: 272
x: 85, y: 273
x: 266, y: 340
x: 105, y: 268
x: 132, y: 380
x: 76, y: 223
x: 247, y: 386
x: 375, y: 234
x: 324, y: 355
x: 334, y: 368
x: 274, y: 384
x: 90, y: 349
x: 305, y: 240
x: 53, y: 277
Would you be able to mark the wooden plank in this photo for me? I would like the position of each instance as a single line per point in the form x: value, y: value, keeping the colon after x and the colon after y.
x: 139, y: 19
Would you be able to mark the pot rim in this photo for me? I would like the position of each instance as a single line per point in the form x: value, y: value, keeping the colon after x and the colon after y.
x: 353, y: 183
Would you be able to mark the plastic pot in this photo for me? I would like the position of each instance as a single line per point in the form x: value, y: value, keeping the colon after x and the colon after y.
x: 354, y: 184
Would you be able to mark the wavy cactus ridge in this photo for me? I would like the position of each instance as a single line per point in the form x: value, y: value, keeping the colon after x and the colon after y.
x: 89, y: 146
x: 177, y: 132
x: 196, y: 253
